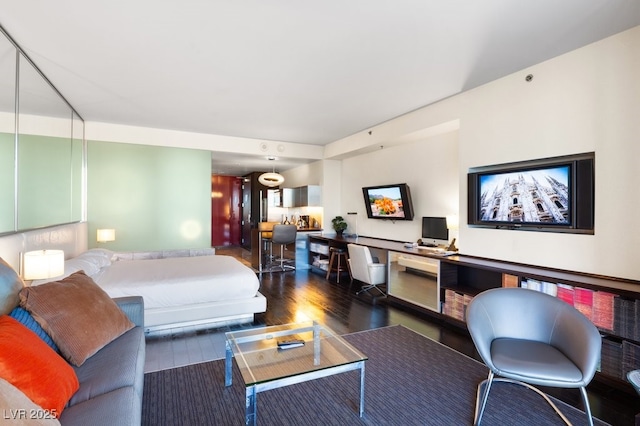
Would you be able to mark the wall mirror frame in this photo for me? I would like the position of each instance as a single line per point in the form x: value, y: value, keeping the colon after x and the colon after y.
x: 42, y: 147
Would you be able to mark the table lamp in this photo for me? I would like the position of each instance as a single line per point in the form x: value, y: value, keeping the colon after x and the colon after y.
x: 41, y: 264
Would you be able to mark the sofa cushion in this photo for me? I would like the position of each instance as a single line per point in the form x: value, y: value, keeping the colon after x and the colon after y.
x: 19, y: 410
x: 78, y: 315
x: 120, y: 407
x: 33, y: 367
x: 118, y: 364
x: 10, y: 286
x: 24, y: 317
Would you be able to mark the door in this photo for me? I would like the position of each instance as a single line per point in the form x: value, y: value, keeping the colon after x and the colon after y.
x: 246, y: 214
x: 226, y: 192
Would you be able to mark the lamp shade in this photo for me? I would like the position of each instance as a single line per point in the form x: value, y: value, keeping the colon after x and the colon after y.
x: 40, y: 264
x: 105, y: 235
x: 271, y: 179
x: 452, y: 221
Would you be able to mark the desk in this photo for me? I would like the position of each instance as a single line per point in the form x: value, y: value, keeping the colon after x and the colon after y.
x: 412, y: 274
x: 376, y: 243
x: 461, y: 277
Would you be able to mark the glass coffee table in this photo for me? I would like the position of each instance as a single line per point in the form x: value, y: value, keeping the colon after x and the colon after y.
x: 265, y: 366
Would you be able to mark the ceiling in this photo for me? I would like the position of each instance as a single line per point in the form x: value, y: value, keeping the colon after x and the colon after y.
x: 290, y: 70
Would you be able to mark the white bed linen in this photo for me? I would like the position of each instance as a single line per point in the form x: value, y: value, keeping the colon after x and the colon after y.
x: 178, y: 281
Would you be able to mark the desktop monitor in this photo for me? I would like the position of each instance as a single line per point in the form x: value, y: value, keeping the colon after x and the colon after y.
x: 434, y: 230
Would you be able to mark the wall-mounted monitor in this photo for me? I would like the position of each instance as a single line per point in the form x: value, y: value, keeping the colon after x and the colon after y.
x: 388, y: 202
x: 552, y: 194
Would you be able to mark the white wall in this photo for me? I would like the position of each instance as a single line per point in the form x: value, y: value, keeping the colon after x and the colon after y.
x: 586, y: 100
x: 429, y: 167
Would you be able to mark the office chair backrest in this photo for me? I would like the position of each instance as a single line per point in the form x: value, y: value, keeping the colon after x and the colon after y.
x: 359, y: 260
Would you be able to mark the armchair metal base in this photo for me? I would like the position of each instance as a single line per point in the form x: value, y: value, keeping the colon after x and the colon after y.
x: 483, y: 394
x: 371, y: 287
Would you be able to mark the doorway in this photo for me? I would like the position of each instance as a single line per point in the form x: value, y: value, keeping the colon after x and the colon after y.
x: 226, y: 211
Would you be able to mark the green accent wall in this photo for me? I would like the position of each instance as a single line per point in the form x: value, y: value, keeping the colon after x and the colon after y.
x: 156, y: 198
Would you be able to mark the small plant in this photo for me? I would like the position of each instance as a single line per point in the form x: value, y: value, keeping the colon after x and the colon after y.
x: 339, y: 224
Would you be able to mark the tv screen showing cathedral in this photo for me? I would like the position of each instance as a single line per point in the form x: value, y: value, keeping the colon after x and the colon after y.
x: 526, y: 196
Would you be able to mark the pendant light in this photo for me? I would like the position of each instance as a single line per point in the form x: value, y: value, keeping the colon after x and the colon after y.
x: 272, y: 178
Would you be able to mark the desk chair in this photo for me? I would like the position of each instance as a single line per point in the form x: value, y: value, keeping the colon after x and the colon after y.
x: 364, y: 269
x: 283, y: 235
x: 531, y: 338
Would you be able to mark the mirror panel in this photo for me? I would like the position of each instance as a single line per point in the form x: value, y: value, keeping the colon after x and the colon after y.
x: 44, y: 152
x: 7, y: 134
x: 77, y: 160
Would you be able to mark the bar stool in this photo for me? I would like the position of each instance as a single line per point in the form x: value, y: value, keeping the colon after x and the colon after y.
x: 266, y: 235
x: 338, y: 262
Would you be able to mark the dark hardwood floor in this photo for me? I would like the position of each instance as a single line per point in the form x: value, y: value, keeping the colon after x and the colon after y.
x: 304, y: 294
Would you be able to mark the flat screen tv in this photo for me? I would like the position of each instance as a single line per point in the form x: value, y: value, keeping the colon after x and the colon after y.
x: 552, y: 194
x: 388, y: 202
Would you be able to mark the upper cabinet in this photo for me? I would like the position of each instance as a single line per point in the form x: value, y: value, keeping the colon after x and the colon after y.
x: 308, y: 196
x: 303, y: 196
x: 41, y: 147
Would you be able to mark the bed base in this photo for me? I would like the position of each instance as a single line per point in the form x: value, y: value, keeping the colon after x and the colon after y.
x: 180, y: 319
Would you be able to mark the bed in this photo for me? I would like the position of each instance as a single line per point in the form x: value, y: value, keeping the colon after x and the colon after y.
x: 182, y: 289
x: 192, y: 305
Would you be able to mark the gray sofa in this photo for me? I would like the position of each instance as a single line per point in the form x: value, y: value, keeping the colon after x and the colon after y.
x: 111, y: 381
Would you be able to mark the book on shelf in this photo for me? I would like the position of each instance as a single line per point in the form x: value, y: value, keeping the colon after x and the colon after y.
x: 509, y: 280
x: 583, y: 301
x: 458, y: 307
x: 611, y: 358
x: 466, y: 300
x: 565, y: 292
x: 550, y: 288
x: 542, y: 286
x: 532, y: 284
x: 602, y: 315
x: 624, y: 317
x: 455, y: 304
x: 630, y: 357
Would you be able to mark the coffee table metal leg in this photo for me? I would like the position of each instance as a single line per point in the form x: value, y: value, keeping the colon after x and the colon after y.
x: 251, y: 415
x: 227, y: 364
x: 362, y: 388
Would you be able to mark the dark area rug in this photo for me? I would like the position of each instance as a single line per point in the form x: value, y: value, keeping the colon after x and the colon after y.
x: 409, y: 380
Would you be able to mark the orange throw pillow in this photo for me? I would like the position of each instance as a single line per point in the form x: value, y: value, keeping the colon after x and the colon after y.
x: 30, y: 365
x: 78, y: 315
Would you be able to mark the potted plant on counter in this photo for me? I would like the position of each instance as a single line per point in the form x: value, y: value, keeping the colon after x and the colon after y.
x: 339, y: 225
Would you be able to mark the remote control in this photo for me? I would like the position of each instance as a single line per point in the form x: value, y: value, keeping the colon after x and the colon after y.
x: 292, y: 343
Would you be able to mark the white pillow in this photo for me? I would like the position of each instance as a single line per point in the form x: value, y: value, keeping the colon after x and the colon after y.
x: 100, y: 257
x: 90, y: 262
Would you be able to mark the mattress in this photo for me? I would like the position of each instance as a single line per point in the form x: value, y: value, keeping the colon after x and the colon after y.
x: 178, y: 281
